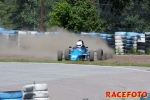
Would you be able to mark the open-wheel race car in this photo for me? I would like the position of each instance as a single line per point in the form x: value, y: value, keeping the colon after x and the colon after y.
x: 79, y: 54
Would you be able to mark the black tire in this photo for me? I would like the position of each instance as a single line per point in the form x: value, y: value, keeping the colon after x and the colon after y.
x: 113, y: 40
x: 67, y: 52
x: 147, y: 46
x: 112, y: 46
x: 91, y: 55
x: 141, y: 47
x: 147, y: 35
x: 111, y: 43
x: 99, y: 54
x: 147, y: 38
x: 147, y: 41
x: 59, y: 55
x: 141, y: 43
x: 127, y: 51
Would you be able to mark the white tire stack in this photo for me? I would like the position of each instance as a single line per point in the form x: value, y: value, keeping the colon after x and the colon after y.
x: 35, y: 92
x: 120, y: 40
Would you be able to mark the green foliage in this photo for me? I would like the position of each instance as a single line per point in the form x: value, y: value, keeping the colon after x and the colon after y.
x: 29, y: 13
x: 118, y: 51
x: 133, y: 50
x: 79, y: 17
x: 133, y: 18
x: 148, y: 51
x: 8, y: 10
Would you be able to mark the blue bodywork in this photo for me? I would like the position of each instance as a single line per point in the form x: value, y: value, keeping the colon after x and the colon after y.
x: 79, y: 54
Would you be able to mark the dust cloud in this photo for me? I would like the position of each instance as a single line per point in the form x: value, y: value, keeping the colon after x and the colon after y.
x: 48, y: 45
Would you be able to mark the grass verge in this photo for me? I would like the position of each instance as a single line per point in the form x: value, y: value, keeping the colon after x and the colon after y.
x: 101, y: 63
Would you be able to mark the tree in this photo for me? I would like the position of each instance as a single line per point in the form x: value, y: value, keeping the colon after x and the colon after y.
x: 8, y: 12
x: 81, y: 16
x: 29, y: 13
x: 134, y: 17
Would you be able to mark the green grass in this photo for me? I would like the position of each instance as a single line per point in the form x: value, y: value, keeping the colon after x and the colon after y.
x: 102, y: 63
x: 148, y: 51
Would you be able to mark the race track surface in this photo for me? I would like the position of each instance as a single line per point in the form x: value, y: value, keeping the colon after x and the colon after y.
x: 75, y: 82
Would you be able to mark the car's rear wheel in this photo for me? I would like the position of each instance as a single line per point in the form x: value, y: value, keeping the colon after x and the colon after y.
x: 67, y: 56
x: 59, y: 55
x: 99, y: 54
x: 91, y: 55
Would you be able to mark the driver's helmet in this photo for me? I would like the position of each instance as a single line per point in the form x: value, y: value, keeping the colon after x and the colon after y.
x: 79, y: 44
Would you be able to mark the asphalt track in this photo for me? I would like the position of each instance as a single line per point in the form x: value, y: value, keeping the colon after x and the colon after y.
x: 75, y: 82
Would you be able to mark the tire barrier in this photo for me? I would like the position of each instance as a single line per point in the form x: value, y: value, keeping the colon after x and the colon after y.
x: 147, y: 42
x: 103, y: 36
x: 12, y: 99
x: 131, y: 42
x: 35, y: 87
x: 35, y: 92
x: 11, y: 95
x: 141, y: 43
x: 110, y: 40
x: 93, y: 34
x: 38, y: 99
x: 120, y: 40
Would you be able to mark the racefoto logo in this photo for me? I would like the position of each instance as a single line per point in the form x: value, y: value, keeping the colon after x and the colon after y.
x: 127, y: 94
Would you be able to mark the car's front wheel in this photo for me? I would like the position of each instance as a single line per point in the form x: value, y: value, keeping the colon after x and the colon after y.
x: 91, y: 55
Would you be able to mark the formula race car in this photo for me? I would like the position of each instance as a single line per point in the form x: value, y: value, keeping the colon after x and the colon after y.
x: 77, y: 54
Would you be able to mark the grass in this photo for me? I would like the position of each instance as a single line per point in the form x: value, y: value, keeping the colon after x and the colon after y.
x: 148, y: 51
x: 134, y: 51
x: 101, y: 63
x: 118, y: 50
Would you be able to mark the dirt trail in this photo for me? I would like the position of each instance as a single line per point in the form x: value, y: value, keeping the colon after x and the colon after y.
x: 47, y: 45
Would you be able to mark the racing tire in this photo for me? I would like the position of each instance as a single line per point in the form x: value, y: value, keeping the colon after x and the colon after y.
x: 59, y: 55
x: 10, y: 95
x: 12, y: 99
x: 99, y: 54
x: 91, y: 55
x: 67, y: 52
x: 35, y: 94
x: 35, y: 87
x: 38, y: 99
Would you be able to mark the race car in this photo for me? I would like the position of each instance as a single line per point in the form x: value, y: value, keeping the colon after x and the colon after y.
x: 79, y: 53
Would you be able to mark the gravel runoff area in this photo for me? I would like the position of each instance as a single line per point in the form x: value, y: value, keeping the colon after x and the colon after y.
x: 141, y: 59
x: 74, y: 82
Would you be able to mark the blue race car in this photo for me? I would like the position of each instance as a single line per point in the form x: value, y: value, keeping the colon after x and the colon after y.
x: 77, y: 54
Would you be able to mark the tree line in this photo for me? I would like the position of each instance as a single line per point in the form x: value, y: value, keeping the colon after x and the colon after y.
x: 77, y: 15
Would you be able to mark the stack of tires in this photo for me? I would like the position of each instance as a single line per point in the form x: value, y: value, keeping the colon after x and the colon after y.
x: 141, y: 43
x: 84, y: 33
x: 147, y: 42
x: 103, y: 36
x: 11, y: 95
x: 93, y: 34
x: 131, y: 42
x: 36, y: 92
x: 110, y: 40
x: 120, y: 40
